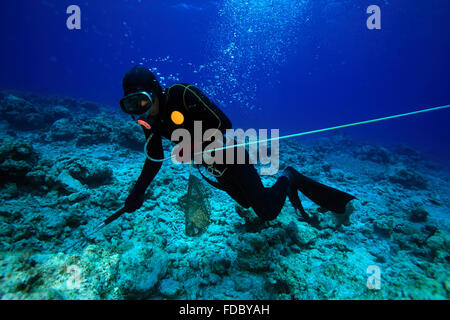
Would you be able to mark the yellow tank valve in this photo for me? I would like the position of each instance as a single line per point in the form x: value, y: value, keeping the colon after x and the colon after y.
x: 177, y: 117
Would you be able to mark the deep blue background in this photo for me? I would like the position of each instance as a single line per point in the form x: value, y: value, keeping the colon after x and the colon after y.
x: 338, y: 72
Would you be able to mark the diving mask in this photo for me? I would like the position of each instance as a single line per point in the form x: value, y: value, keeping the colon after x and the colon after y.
x: 136, y: 103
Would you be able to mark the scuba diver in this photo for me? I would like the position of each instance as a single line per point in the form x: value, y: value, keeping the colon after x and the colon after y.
x: 160, y: 112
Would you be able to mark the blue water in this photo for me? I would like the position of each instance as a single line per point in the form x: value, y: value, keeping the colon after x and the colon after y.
x: 291, y: 65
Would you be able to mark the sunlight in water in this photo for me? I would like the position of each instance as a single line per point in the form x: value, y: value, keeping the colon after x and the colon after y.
x: 253, y: 37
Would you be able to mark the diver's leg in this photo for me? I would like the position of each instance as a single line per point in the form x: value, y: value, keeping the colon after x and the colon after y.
x: 234, y: 191
x: 266, y: 202
x: 243, y: 183
x: 327, y: 197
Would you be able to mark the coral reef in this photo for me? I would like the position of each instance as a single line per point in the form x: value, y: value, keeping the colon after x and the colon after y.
x: 70, y: 164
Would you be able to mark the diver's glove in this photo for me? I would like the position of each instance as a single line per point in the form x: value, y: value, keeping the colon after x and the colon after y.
x: 134, y: 202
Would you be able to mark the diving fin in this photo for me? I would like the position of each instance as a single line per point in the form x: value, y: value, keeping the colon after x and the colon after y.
x: 324, y: 196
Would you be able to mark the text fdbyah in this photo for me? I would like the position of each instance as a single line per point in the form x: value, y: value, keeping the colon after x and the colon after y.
x: 228, y: 309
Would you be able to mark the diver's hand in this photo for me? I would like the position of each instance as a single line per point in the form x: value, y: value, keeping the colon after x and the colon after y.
x: 133, y: 202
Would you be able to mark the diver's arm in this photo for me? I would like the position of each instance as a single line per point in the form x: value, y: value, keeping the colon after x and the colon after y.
x: 149, y: 171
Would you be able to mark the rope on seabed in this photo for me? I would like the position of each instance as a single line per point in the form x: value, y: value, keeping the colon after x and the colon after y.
x: 309, y: 132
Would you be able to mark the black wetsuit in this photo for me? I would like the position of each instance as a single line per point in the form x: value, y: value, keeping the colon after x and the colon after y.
x: 241, y: 181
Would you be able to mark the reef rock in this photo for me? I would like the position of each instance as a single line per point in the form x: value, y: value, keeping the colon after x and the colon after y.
x: 96, y: 130
x: 408, y: 178
x: 140, y: 271
x: 170, y: 288
x: 14, y: 109
x: 418, y: 215
x: 439, y: 244
x: 408, y: 152
x: 89, y: 172
x: 24, y: 115
x: 373, y: 153
x: 384, y: 226
x: 68, y: 183
x: 130, y: 137
x: 63, y: 130
x: 301, y: 233
x: 16, y: 160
